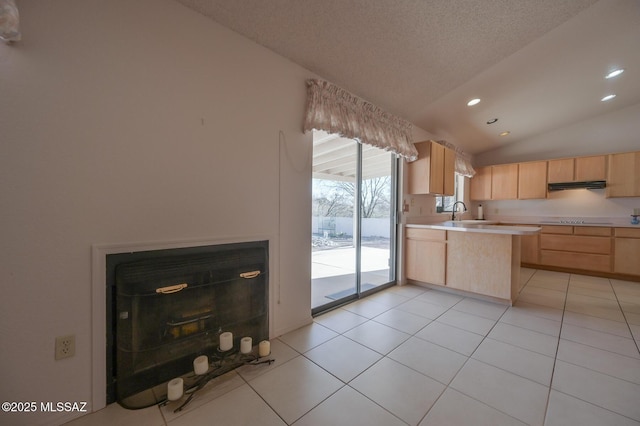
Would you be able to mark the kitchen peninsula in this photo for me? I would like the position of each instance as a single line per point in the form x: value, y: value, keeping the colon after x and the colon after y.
x: 474, y: 257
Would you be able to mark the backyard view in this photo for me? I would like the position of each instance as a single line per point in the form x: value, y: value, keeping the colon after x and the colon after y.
x: 335, y: 231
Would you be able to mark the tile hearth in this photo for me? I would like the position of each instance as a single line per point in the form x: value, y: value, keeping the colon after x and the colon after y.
x: 566, y: 353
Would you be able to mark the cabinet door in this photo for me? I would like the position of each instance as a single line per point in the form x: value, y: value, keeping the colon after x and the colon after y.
x: 433, y: 172
x: 420, y: 169
x: 590, y: 168
x: 436, y: 173
x: 449, y: 172
x: 481, y: 184
x: 530, y: 249
x: 625, y: 260
x: 561, y: 170
x: 624, y: 175
x: 532, y: 180
x: 426, y: 261
x: 504, y: 182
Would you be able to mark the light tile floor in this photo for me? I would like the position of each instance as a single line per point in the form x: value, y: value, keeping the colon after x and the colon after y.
x: 565, y: 354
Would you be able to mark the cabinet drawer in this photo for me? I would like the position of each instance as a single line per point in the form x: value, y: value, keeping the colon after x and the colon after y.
x: 586, y: 261
x: 576, y: 243
x: 593, y: 230
x: 556, y: 229
x: 426, y: 234
x: 628, y: 232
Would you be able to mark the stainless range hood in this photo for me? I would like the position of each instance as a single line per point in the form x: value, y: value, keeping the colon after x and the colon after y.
x: 591, y: 184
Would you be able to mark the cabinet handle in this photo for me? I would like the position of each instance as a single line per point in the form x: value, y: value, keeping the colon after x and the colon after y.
x: 249, y: 275
x: 172, y: 288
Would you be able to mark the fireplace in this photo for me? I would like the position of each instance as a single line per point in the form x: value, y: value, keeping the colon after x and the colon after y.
x: 167, y: 307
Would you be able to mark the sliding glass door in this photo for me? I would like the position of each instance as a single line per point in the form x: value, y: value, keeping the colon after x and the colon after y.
x: 353, y: 233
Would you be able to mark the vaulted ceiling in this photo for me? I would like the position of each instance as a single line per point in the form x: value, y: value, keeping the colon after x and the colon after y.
x: 536, y: 65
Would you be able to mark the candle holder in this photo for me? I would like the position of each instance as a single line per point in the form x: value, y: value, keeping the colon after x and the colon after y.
x: 634, y: 219
x: 222, y: 362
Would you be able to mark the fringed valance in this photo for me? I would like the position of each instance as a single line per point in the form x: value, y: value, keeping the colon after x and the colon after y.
x: 335, y: 110
x: 9, y: 21
x: 463, y: 160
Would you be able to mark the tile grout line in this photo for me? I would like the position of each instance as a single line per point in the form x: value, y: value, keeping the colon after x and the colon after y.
x: 624, y: 316
x: 555, y: 358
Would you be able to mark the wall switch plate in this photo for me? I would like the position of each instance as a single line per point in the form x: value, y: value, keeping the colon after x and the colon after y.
x: 65, y: 346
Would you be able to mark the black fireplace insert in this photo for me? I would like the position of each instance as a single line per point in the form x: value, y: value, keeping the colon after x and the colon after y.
x: 166, y: 307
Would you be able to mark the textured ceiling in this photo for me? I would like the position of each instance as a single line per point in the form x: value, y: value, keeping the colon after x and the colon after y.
x: 422, y: 60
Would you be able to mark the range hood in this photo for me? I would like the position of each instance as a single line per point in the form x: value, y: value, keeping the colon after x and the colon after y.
x: 591, y: 184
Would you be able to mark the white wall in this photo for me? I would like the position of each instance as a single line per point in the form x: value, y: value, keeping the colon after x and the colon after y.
x: 135, y: 122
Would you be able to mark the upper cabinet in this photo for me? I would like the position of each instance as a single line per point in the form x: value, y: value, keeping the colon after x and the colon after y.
x: 577, y: 169
x: 532, y: 180
x: 434, y: 170
x: 624, y: 175
x: 561, y: 170
x: 504, y: 182
x: 591, y: 168
x: 481, y: 184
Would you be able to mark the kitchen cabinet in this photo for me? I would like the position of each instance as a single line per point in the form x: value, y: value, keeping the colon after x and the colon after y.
x: 584, y: 248
x: 425, y: 255
x: 481, y: 184
x: 560, y: 170
x: 530, y: 251
x: 623, y: 176
x: 504, y: 182
x: 434, y: 170
x: 590, y: 168
x: 627, y: 251
x: 577, y: 169
x: 532, y: 180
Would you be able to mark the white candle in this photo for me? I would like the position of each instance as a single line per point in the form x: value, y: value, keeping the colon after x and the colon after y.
x: 226, y: 341
x: 201, y: 365
x: 246, y: 345
x: 175, y: 389
x: 264, y: 348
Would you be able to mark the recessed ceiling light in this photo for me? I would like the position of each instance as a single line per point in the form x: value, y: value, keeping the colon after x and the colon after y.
x: 493, y: 120
x: 473, y: 102
x: 614, y: 73
x: 608, y: 98
x: 505, y: 133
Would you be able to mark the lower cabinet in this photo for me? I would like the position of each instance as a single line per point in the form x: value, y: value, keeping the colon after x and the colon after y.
x: 426, y: 255
x: 627, y: 251
x: 585, y: 248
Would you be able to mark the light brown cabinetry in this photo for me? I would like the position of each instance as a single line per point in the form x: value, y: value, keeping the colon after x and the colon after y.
x: 425, y: 255
x: 481, y: 184
x: 530, y: 251
x: 591, y: 168
x: 623, y: 178
x: 560, y: 170
x: 585, y: 248
x: 434, y: 170
x: 504, y: 182
x: 532, y: 180
x: 627, y: 251
x: 577, y: 169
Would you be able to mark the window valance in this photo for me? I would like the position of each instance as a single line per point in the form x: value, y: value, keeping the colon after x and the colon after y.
x: 334, y: 110
x: 9, y: 21
x: 463, y: 160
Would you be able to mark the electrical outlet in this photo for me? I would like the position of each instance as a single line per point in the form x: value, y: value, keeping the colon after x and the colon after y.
x: 65, y: 346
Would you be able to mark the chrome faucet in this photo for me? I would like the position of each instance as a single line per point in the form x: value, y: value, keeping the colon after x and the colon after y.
x: 453, y: 214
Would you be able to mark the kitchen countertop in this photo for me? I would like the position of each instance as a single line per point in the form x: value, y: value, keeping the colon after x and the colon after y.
x: 480, y: 228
